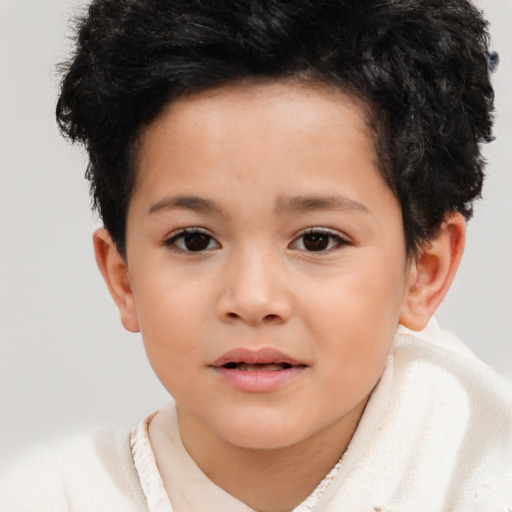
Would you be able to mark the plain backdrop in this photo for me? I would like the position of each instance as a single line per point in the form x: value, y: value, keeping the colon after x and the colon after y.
x: 65, y: 362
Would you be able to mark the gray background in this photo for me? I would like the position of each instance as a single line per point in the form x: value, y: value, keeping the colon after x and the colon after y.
x: 65, y: 362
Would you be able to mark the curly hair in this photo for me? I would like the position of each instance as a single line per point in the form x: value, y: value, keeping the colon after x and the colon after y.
x: 421, y: 67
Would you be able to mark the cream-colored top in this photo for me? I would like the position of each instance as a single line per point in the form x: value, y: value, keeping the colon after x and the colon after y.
x: 166, y: 470
x: 183, y: 480
x: 435, y: 437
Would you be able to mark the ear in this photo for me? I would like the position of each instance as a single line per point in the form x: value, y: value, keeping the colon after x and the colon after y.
x: 115, y: 273
x: 432, y: 272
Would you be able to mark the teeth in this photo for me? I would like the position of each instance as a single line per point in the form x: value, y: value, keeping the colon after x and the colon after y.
x: 262, y: 367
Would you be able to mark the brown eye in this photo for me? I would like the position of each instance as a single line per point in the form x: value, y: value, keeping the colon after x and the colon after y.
x: 196, y: 241
x: 192, y: 240
x: 316, y: 241
x: 319, y: 240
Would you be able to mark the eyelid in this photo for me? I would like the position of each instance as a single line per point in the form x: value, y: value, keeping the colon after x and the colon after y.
x: 321, y: 229
x: 343, y: 240
x: 169, y: 240
x: 184, y: 231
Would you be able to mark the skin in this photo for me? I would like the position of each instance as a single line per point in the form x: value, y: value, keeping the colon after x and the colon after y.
x: 255, y: 153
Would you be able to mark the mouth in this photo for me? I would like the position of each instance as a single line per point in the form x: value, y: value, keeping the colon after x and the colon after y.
x: 257, y: 367
x: 258, y: 371
x: 263, y: 360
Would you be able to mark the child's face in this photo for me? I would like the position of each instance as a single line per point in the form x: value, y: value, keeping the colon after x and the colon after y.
x: 260, y: 230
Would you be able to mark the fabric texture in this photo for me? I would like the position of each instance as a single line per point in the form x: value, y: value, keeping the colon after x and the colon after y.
x: 92, y: 472
x: 436, y: 436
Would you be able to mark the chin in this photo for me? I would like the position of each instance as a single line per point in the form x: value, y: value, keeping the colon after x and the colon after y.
x: 260, y: 440
x: 263, y: 433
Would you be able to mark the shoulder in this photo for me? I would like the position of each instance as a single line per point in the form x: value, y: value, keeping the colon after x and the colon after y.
x: 450, y: 368
x: 436, y: 434
x: 88, y: 472
x: 464, y: 407
x: 453, y: 384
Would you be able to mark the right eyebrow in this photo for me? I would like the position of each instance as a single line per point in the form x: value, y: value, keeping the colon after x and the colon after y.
x: 193, y: 203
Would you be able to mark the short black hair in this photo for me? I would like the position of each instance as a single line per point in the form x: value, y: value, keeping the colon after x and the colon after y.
x: 421, y: 67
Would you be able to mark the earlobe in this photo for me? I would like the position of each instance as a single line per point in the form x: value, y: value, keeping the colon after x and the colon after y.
x: 432, y: 272
x: 115, y: 273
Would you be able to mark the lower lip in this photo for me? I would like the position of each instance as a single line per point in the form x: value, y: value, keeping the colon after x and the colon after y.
x: 259, y: 381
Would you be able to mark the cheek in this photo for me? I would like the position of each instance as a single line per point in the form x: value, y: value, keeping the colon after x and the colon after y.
x: 166, y: 296
x: 171, y: 316
x: 357, y: 298
x: 354, y: 318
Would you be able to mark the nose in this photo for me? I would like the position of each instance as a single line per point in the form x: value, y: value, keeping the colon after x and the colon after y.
x: 254, y: 291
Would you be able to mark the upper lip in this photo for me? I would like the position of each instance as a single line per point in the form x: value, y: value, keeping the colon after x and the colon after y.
x: 265, y: 355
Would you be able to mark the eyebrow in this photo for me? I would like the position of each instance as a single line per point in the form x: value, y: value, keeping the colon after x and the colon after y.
x: 285, y: 205
x: 193, y: 203
x: 309, y: 203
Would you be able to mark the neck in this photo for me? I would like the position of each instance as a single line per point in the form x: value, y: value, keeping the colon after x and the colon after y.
x: 268, y: 480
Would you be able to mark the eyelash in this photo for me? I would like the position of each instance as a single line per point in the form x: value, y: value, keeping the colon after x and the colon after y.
x: 171, y: 242
x: 180, y: 235
x: 333, y: 236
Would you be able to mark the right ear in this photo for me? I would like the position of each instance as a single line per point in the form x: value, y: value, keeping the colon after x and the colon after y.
x: 114, y: 270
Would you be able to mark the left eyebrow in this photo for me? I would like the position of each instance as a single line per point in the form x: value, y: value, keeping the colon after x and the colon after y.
x: 193, y: 203
x: 309, y: 203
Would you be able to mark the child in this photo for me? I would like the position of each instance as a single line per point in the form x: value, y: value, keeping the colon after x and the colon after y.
x: 284, y: 187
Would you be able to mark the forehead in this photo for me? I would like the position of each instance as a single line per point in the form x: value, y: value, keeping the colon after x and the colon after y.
x: 274, y: 137
x: 251, y: 109
x: 280, y: 95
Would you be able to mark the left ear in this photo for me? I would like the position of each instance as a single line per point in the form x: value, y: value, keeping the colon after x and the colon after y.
x: 432, y: 272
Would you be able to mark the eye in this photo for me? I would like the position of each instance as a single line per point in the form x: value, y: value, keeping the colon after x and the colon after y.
x: 192, y: 240
x: 318, y: 240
